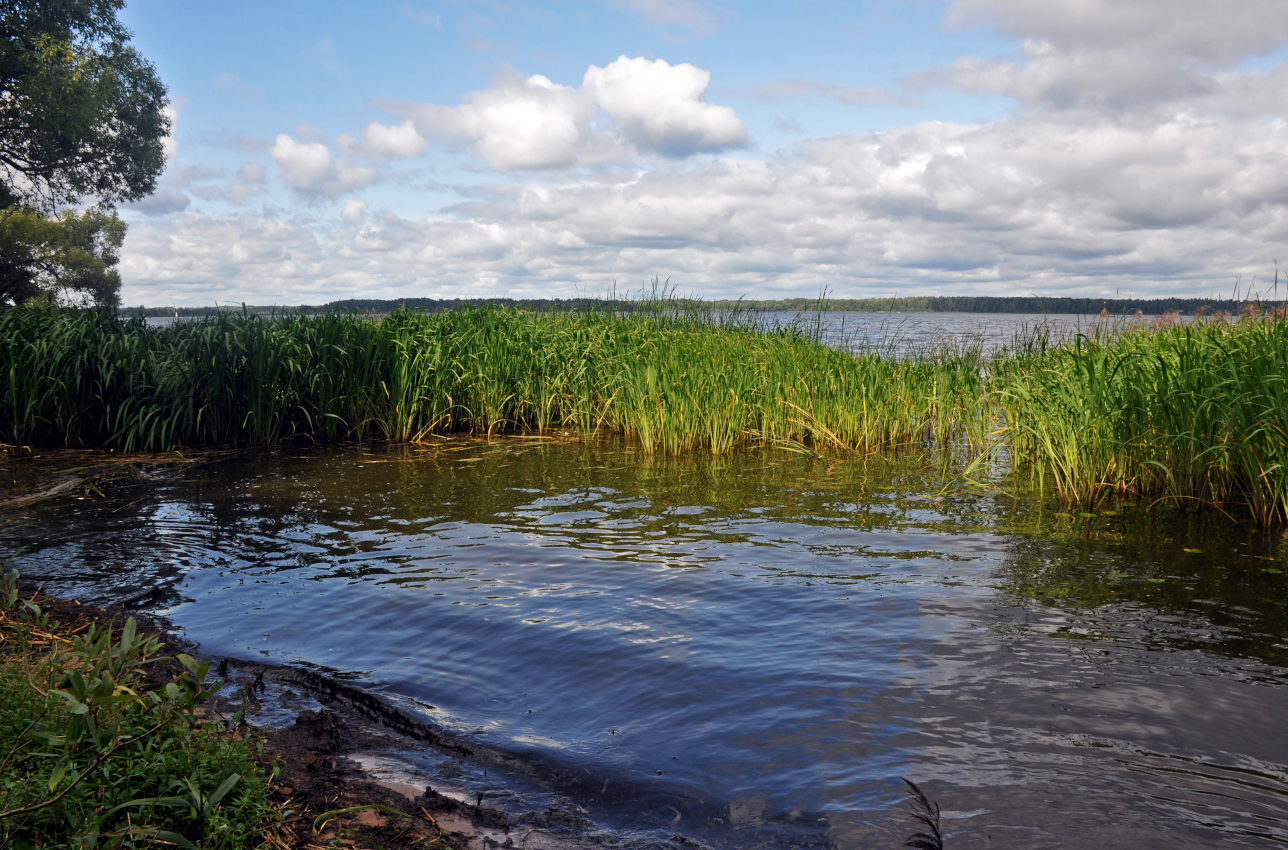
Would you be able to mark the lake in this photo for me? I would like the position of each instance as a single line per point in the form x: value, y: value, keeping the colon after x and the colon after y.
x: 748, y: 650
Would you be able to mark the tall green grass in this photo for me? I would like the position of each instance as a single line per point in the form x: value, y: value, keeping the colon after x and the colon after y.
x: 673, y: 383
x: 1188, y: 413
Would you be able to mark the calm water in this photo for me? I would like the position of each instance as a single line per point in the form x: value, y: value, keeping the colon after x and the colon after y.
x: 898, y: 332
x: 752, y: 649
x: 919, y: 332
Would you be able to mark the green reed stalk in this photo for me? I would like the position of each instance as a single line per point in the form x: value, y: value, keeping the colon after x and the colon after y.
x: 1187, y: 413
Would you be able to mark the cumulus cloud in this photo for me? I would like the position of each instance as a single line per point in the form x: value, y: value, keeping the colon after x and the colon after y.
x: 1025, y: 204
x: 400, y: 140
x: 628, y: 106
x: 1107, y: 56
x: 662, y: 107
x: 524, y: 124
x: 308, y: 168
x: 219, y: 256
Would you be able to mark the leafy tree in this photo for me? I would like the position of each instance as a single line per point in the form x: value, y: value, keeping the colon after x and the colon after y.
x: 81, y: 119
x: 72, y: 255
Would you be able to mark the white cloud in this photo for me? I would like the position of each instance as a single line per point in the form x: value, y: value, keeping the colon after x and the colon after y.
x: 661, y: 107
x: 219, y: 258
x: 170, y: 144
x: 399, y: 140
x: 308, y: 167
x: 353, y: 210
x: 1025, y: 204
x: 1113, y: 56
x: 629, y: 106
x: 1141, y: 158
x: 525, y: 124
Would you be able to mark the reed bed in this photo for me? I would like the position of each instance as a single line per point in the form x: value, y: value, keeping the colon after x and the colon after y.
x: 672, y: 382
x: 1188, y: 413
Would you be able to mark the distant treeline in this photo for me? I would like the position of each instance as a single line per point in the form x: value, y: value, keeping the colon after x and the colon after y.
x: 914, y: 304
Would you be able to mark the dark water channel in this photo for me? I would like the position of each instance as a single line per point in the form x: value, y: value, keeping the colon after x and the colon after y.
x: 748, y: 650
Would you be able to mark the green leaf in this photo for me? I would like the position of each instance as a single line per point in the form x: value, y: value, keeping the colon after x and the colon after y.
x: 76, y: 706
x: 57, y: 774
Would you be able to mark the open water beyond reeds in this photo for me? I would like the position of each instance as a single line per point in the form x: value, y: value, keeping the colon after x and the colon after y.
x: 748, y: 649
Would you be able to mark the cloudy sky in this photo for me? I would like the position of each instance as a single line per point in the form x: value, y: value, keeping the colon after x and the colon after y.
x: 328, y: 149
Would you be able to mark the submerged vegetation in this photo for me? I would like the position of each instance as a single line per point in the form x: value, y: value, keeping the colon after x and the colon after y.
x: 1191, y: 413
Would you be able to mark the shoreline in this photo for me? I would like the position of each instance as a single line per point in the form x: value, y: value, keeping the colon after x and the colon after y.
x: 339, y: 772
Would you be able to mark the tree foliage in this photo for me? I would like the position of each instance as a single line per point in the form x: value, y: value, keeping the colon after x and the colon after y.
x: 71, y: 256
x: 81, y: 113
x: 82, y: 121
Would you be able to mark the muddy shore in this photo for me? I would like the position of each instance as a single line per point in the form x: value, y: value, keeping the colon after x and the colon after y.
x: 339, y: 753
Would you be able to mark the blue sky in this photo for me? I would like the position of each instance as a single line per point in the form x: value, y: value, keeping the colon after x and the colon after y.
x: 418, y: 149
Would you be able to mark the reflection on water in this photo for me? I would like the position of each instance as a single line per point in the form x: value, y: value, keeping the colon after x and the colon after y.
x: 903, y: 333
x: 753, y: 648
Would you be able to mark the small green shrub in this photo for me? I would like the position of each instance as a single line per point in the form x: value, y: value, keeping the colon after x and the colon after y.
x: 90, y: 757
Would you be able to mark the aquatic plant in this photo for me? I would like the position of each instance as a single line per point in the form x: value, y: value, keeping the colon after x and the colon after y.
x: 672, y: 382
x: 1190, y: 413
x: 926, y: 813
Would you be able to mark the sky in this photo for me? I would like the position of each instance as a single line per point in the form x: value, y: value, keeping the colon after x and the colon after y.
x: 330, y: 150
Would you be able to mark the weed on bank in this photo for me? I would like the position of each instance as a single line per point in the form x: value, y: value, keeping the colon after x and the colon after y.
x: 93, y: 755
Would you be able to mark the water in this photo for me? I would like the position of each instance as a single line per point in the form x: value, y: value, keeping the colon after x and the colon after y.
x: 749, y: 650
x: 903, y: 333
x: 897, y: 332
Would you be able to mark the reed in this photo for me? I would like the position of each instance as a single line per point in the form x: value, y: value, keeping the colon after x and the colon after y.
x: 674, y: 381
x: 1188, y: 413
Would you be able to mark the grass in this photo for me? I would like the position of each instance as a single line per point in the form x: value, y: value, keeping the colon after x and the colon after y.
x: 92, y: 756
x: 673, y: 383
x: 1190, y: 413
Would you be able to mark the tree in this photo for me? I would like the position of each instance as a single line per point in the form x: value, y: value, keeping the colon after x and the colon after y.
x: 72, y: 255
x: 82, y: 119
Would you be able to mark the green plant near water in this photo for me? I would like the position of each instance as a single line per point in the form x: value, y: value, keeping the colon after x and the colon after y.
x: 92, y: 758
x: 1193, y: 414
x: 1190, y: 413
x: 672, y: 382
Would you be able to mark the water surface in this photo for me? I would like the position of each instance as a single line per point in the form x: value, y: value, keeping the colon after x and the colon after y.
x: 749, y: 650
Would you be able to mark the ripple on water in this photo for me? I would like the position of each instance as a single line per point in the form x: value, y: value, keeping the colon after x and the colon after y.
x: 754, y: 648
